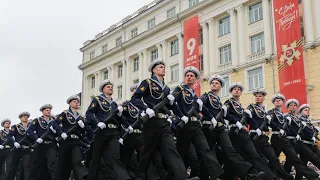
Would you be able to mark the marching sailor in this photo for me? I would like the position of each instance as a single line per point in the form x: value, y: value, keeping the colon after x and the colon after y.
x: 4, y: 146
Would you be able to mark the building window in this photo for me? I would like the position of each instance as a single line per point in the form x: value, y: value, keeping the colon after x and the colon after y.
x: 257, y: 43
x: 225, y: 90
x: 154, y: 54
x: 224, y: 26
x: 134, y: 32
x: 174, y: 47
x: 93, y: 82
x: 175, y: 72
x: 151, y: 23
x: 225, y: 54
x: 92, y: 55
x: 192, y: 3
x: 106, y: 75
x: 200, y: 37
x: 255, y: 79
x: 171, y: 13
x: 255, y: 12
x: 119, y: 92
x: 104, y: 48
x: 136, y: 81
x: 120, y: 67
x: 201, y: 62
x: 136, y: 64
x: 119, y: 41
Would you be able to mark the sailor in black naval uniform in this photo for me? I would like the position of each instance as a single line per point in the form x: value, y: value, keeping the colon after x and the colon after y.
x: 69, y: 156
x: 192, y: 132
x: 241, y: 140
x: 44, y: 157
x: 156, y: 131
x: 303, y: 143
x: 279, y: 141
x: 18, y: 137
x: 233, y: 162
x: 105, y: 142
x: 262, y: 144
x: 4, y: 147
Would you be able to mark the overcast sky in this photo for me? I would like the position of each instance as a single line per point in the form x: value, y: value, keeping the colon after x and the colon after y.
x: 39, y: 49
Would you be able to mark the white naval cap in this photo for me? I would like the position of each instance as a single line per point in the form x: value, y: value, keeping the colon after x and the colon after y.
x: 291, y: 101
x: 73, y: 97
x: 277, y: 96
x: 234, y: 85
x: 193, y: 70
x: 24, y: 114
x: 133, y: 87
x: 5, y: 120
x: 218, y: 78
x: 104, y: 83
x: 154, y: 63
x: 259, y: 91
x: 302, y: 107
x: 46, y: 106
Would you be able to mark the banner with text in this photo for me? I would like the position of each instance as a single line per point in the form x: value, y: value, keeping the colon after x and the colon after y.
x: 289, y: 50
x: 191, y: 47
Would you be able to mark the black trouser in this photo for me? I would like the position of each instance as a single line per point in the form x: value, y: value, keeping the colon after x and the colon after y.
x: 157, y: 135
x: 69, y: 158
x: 4, y: 162
x: 281, y: 143
x: 232, y: 159
x: 306, y: 153
x: 191, y: 160
x: 192, y: 132
x: 262, y: 144
x: 106, y: 145
x: 15, y: 157
x: 244, y: 145
x: 44, y: 162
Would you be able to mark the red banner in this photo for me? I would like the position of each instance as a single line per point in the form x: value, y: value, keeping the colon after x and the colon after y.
x: 289, y: 50
x: 191, y: 47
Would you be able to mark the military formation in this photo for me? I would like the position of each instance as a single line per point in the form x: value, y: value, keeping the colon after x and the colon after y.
x: 163, y: 134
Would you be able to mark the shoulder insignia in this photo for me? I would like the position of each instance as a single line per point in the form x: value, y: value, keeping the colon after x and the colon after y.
x: 60, y: 118
x: 149, y: 81
x: 125, y: 108
x: 93, y: 105
x: 96, y: 97
x: 142, y: 88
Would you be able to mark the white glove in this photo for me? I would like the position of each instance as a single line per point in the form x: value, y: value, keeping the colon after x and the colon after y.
x: 53, y: 130
x: 1, y: 147
x: 199, y: 101
x: 120, y: 109
x: 317, y: 128
x: 258, y: 131
x: 64, y: 136
x: 142, y: 114
x: 313, y: 139
x: 239, y: 125
x: 121, y: 141
x: 214, y: 122
x: 247, y: 111
x: 185, y: 119
x: 150, y: 112
x: 298, y: 138
x: 171, y: 99
x: 81, y: 124
x: 130, y: 129
x: 269, y: 118
x: 170, y: 121
x: 289, y: 119
x: 225, y: 110
x: 101, y: 125
x: 304, y: 124
x: 281, y: 132
x: 17, y: 145
x: 39, y: 140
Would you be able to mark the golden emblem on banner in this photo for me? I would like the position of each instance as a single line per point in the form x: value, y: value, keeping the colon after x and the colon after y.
x: 290, y: 54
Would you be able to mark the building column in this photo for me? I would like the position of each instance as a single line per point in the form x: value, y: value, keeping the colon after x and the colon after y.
x: 97, y: 83
x: 128, y: 81
x: 206, y: 58
x: 141, y: 68
x: 124, y: 78
x: 234, y: 39
x: 267, y: 27
x: 145, y: 66
x: 164, y: 56
x: 316, y: 5
x: 159, y: 51
x: 308, y: 22
x: 212, y: 48
x: 241, y: 35
x: 181, y: 58
x: 110, y: 72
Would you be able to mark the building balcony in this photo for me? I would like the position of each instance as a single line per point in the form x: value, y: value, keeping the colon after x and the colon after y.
x: 256, y: 56
x: 224, y: 66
